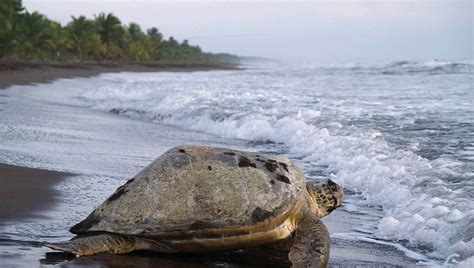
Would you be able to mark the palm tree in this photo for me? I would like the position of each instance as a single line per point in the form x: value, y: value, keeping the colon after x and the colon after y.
x: 172, y: 42
x: 138, y: 44
x: 156, y: 39
x: 111, y: 35
x: 155, y: 35
x: 135, y: 32
x: 8, y: 10
x: 60, y: 39
x: 33, y: 35
x: 82, y: 37
x: 25, y: 35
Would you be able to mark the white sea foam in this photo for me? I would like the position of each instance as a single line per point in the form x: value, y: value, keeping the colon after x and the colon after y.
x: 360, y: 132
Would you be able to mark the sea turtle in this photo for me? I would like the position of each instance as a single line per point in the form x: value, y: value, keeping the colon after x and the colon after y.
x: 201, y: 199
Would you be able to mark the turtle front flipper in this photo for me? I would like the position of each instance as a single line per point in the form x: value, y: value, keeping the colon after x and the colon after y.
x: 94, y: 244
x: 311, y: 245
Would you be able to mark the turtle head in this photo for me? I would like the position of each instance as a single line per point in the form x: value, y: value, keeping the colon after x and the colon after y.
x: 328, y: 195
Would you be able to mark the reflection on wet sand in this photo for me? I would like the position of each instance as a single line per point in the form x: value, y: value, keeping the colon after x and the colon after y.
x: 241, y: 258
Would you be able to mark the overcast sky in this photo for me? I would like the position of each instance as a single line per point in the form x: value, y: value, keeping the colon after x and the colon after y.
x: 327, y: 31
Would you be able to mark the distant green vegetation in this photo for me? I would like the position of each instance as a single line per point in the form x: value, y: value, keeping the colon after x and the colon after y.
x: 32, y: 36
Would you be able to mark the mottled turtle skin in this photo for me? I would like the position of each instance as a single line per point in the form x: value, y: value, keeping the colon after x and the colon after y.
x: 199, y: 198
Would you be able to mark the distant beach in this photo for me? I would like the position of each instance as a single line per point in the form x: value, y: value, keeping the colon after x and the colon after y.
x: 24, y: 72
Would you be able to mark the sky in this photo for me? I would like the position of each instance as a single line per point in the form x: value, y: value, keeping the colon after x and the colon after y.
x: 326, y: 31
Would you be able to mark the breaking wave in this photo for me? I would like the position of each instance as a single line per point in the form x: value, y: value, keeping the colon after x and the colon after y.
x: 380, y: 138
x: 405, y: 67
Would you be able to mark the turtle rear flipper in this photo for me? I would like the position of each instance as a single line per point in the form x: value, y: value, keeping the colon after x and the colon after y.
x: 311, y: 245
x: 107, y: 243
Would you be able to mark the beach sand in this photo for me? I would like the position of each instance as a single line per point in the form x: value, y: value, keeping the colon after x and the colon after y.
x: 30, y: 192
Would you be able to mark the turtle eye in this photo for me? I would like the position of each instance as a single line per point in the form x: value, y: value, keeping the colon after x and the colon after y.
x: 332, y: 186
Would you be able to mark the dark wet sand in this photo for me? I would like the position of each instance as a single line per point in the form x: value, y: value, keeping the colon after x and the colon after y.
x: 21, y: 73
x: 24, y: 192
x: 243, y: 258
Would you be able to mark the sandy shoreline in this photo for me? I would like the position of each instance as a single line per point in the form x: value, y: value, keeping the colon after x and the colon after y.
x: 101, y: 148
x: 21, y: 73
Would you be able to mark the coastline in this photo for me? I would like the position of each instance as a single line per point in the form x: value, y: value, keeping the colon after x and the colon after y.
x: 23, y: 73
x: 92, y: 141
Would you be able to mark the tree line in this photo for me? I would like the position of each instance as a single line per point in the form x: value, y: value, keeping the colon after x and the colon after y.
x: 32, y: 36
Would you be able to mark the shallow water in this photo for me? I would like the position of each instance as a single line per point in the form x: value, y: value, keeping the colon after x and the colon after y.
x: 397, y: 137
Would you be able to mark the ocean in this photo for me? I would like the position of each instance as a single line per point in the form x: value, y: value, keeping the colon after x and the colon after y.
x: 397, y: 136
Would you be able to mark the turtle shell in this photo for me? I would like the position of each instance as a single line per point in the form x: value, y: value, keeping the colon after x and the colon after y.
x: 193, y: 188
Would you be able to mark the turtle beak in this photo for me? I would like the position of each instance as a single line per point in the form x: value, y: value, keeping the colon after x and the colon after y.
x: 331, y: 209
x: 338, y: 194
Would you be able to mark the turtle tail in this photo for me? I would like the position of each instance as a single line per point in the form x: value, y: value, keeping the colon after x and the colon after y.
x: 94, y: 244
